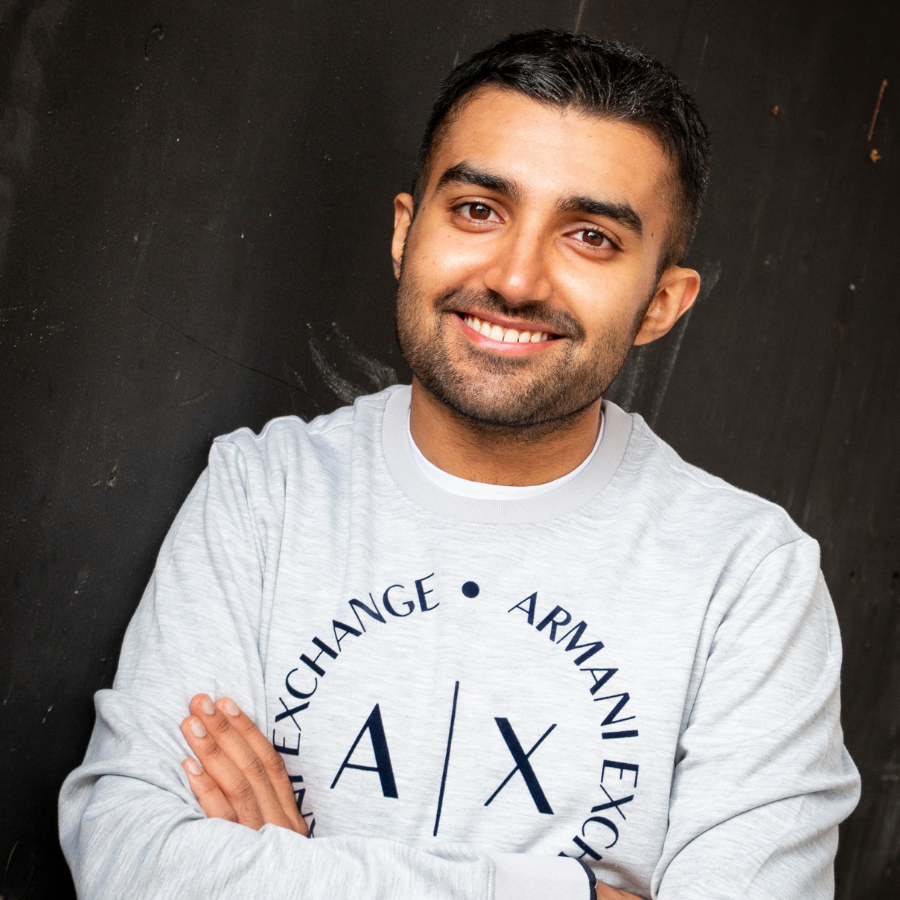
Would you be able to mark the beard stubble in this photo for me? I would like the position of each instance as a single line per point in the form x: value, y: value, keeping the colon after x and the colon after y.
x: 527, y: 393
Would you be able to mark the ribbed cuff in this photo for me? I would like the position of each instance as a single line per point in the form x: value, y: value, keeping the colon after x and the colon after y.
x: 592, y: 878
x: 522, y: 876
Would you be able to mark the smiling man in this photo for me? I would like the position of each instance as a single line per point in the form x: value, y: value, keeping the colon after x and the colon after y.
x: 486, y: 636
x: 531, y: 270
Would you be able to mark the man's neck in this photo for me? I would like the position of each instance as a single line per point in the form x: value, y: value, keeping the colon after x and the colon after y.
x: 510, y: 456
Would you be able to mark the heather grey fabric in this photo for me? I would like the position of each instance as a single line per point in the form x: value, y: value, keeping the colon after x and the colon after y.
x: 640, y: 670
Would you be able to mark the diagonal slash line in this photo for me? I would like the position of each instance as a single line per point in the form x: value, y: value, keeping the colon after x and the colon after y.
x: 581, y: 6
x: 518, y: 767
x: 877, y: 107
x: 437, y: 818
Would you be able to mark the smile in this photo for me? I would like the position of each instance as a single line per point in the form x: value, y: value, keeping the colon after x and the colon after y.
x: 505, y: 335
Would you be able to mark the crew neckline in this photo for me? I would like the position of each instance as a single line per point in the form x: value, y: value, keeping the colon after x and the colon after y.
x: 418, y: 487
x: 480, y: 490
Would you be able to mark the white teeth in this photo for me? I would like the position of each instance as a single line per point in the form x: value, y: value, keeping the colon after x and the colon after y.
x: 505, y: 335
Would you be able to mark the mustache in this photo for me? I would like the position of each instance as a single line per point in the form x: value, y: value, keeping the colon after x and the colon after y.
x: 537, y: 314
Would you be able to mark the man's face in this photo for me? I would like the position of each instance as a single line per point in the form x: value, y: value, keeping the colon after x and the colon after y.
x: 531, y: 260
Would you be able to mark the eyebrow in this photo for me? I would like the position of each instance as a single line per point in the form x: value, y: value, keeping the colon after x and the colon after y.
x: 623, y: 213
x: 465, y: 174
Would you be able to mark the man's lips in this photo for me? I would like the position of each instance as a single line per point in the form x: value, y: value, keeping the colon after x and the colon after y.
x: 501, y: 333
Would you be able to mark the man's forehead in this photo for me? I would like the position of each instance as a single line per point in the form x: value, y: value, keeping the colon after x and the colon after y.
x: 541, y: 146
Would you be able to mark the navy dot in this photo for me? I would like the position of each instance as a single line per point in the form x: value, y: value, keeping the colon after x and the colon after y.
x: 470, y: 589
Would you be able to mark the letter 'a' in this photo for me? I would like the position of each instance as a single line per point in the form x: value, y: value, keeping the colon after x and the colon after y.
x: 382, y: 765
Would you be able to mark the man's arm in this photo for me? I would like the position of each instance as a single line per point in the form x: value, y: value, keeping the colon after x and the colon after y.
x: 761, y: 778
x: 129, y: 823
x: 243, y: 780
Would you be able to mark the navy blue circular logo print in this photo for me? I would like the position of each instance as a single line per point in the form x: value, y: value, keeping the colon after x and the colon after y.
x: 470, y: 589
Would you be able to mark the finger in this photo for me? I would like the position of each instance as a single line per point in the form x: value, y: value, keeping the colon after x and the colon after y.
x: 227, y: 776
x: 209, y: 795
x: 247, y: 785
x: 271, y: 759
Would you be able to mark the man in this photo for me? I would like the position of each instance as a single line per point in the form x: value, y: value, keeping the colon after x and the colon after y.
x: 503, y: 639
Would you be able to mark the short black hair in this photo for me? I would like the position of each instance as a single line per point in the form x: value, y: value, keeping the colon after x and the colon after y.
x: 595, y: 77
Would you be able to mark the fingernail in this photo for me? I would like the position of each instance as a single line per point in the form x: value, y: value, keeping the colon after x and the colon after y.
x: 193, y: 766
x: 206, y: 706
x: 230, y: 707
x: 197, y: 728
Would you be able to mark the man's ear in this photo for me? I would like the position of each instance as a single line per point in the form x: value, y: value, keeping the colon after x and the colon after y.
x: 675, y: 295
x: 403, y: 216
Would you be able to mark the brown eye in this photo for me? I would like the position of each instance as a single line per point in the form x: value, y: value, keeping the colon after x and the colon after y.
x: 594, y: 238
x: 479, y: 211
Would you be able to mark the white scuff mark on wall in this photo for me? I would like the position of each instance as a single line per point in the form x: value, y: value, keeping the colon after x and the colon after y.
x: 26, y: 82
x: 346, y: 390
x: 371, y: 374
x: 624, y: 389
x: 668, y: 367
x: 709, y: 278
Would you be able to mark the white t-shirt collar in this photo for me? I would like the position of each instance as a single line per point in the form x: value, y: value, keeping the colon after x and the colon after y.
x: 478, y: 490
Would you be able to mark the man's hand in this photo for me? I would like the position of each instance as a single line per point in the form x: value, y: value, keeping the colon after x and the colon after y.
x: 240, y: 776
x: 605, y: 892
x: 243, y: 779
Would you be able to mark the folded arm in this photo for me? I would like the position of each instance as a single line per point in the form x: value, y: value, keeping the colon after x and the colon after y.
x: 243, y: 780
x: 130, y: 825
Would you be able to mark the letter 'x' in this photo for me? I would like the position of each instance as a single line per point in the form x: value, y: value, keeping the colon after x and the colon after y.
x: 523, y: 766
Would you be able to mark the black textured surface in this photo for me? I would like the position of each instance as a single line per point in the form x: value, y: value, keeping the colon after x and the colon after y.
x: 195, y: 210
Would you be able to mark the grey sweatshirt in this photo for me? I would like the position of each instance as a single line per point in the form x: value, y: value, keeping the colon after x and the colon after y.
x: 639, y: 670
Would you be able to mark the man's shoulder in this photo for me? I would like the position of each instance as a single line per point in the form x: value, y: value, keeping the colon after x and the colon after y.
x: 284, y: 440
x: 688, y: 497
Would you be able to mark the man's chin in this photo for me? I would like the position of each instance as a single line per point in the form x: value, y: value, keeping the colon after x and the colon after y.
x: 504, y: 410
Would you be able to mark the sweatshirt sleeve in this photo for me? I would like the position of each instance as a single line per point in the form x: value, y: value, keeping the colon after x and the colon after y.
x: 762, y: 778
x: 129, y: 823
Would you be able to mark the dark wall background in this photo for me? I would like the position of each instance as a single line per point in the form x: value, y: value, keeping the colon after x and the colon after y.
x: 195, y: 210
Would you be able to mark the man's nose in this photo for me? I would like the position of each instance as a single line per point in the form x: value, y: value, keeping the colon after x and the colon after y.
x: 517, y: 270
